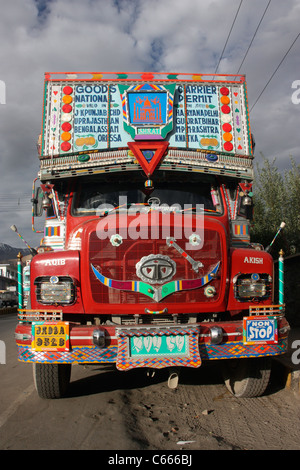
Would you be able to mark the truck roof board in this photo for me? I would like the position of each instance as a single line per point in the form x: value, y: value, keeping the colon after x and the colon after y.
x: 95, y: 112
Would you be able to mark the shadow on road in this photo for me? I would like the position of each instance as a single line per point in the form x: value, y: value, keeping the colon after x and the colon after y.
x: 106, y: 378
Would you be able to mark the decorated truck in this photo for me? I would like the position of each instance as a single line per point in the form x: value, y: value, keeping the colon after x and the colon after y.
x: 8, y: 298
x: 145, y: 180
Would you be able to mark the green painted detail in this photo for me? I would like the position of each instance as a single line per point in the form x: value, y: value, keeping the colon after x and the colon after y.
x: 146, y: 289
x: 84, y: 158
x: 165, y: 346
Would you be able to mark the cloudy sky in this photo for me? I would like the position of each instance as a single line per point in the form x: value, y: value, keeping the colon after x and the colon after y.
x: 258, y: 38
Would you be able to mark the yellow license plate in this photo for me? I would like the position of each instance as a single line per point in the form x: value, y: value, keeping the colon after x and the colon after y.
x: 50, y: 336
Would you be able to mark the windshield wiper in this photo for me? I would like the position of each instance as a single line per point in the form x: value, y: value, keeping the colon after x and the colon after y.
x: 107, y: 212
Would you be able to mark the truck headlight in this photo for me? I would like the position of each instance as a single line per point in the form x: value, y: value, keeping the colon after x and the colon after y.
x: 252, y: 287
x: 55, y: 290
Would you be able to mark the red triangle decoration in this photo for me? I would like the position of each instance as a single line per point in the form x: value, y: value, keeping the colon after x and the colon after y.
x: 246, y: 187
x: 148, y: 154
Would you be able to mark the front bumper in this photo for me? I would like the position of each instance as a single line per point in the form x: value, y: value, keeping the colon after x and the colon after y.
x: 116, y: 341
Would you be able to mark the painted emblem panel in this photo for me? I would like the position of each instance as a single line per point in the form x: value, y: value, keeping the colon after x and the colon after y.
x: 147, y: 110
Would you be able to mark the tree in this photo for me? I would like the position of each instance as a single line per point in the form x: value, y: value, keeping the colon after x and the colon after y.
x: 292, y: 190
x: 276, y: 199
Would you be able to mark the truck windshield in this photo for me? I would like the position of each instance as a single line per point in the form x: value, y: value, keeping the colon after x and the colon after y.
x: 173, y: 191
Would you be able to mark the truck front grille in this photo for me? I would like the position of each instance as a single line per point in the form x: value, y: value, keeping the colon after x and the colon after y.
x: 153, y: 319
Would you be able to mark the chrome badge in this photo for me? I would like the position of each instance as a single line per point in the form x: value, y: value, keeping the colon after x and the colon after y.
x: 156, y: 269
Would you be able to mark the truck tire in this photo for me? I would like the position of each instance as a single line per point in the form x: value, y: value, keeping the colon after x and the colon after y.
x: 247, y: 378
x: 51, y: 380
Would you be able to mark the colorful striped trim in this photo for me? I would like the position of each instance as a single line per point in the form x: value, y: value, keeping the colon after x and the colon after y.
x: 93, y: 354
x: 241, y: 229
x: 52, y: 231
x: 157, y: 293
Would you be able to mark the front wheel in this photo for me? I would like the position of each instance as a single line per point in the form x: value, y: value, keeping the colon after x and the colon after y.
x: 51, y: 380
x: 246, y: 378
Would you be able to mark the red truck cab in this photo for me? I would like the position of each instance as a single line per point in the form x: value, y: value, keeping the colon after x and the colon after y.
x: 146, y: 259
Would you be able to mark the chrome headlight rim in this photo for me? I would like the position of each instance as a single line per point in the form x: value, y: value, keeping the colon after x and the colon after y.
x: 250, y: 287
x: 55, y: 290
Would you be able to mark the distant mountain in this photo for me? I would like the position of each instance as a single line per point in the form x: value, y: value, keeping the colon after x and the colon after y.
x: 8, y: 252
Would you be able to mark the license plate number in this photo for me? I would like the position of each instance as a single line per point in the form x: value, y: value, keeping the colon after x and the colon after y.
x: 156, y: 346
x: 48, y: 336
x: 260, y: 330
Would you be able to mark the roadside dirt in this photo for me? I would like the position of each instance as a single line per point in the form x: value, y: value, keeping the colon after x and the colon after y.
x: 199, y: 414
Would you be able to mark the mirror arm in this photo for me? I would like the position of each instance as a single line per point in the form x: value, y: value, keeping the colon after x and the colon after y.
x: 34, y: 203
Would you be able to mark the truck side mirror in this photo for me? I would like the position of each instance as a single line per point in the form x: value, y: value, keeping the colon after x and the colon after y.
x: 37, y: 202
x: 253, y: 142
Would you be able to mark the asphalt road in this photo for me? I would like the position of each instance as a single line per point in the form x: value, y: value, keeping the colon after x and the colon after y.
x: 110, y: 410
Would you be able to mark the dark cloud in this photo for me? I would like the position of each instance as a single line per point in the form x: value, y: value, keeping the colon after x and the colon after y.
x: 43, y: 8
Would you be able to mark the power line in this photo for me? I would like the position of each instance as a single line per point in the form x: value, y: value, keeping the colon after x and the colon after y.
x: 275, y: 70
x: 254, y: 36
x: 229, y: 34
